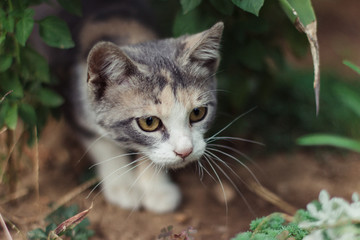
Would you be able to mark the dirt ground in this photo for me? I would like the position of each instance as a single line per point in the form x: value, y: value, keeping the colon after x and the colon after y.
x: 296, y: 177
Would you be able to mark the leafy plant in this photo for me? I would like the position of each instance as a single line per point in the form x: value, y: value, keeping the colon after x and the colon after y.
x: 272, y: 227
x: 25, y: 76
x: 326, y: 219
x: 26, y: 82
x: 72, y: 225
x: 351, y: 99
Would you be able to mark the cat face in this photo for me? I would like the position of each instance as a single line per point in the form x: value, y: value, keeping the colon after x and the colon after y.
x: 157, y: 98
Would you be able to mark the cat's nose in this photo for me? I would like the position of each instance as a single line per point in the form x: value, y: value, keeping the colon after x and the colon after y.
x: 184, y: 153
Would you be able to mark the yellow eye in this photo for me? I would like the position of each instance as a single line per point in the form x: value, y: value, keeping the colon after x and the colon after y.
x: 198, y: 114
x: 149, y: 124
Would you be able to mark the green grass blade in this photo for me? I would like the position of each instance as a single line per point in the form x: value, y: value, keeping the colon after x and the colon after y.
x: 329, y: 140
x: 352, y: 66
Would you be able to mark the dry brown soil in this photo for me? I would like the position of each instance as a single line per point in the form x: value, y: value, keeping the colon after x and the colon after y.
x: 296, y: 177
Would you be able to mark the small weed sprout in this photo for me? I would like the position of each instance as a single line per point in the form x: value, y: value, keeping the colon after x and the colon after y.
x: 74, y: 227
x: 326, y: 219
x: 167, y: 234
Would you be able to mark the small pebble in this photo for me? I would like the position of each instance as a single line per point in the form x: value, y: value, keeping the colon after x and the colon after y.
x: 219, y: 191
x: 181, y: 218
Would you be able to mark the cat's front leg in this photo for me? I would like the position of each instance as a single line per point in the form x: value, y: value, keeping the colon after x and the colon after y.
x: 117, y: 175
x: 160, y: 194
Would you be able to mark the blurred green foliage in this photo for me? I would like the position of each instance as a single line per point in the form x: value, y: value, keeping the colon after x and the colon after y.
x: 254, y: 72
x: 349, y: 101
x: 25, y: 79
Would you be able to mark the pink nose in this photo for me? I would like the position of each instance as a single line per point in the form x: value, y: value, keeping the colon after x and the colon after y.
x: 184, y: 153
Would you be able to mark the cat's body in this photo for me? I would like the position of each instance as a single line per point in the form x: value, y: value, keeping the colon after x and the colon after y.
x: 132, y: 94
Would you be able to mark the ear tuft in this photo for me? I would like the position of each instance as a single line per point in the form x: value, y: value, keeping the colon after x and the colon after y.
x: 107, y: 64
x: 202, y: 49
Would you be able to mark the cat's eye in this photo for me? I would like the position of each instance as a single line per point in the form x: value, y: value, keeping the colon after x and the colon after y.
x: 198, y: 114
x: 149, y: 124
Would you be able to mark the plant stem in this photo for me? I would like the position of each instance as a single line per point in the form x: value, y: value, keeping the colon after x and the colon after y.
x: 10, y: 5
x: 12, y: 169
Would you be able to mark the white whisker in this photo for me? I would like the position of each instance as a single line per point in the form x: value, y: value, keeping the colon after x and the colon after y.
x: 213, y: 90
x: 201, y: 170
x: 156, y: 172
x: 213, y: 156
x: 211, y: 176
x: 234, y: 138
x: 221, y: 185
x: 237, y: 160
x: 140, y: 175
x: 232, y: 122
x: 238, y: 152
x: 117, y: 170
x: 112, y: 158
x: 90, y: 146
x: 232, y: 182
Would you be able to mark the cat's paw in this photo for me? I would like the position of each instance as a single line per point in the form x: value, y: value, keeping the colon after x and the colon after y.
x: 162, y: 198
x: 123, y: 196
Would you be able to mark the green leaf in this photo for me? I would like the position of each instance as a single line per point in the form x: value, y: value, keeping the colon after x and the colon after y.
x: 4, y: 106
x: 352, y: 66
x: 299, y: 9
x: 349, y: 97
x: 50, y: 228
x: 36, y: 2
x: 12, y: 116
x: 224, y: 6
x: 55, y: 32
x: 27, y: 114
x: 37, y: 234
x: 49, y: 98
x: 8, y: 21
x: 301, y: 13
x: 24, y: 26
x: 2, y: 39
x: 188, y: 5
x: 72, y: 6
x: 193, y: 22
x: 329, y: 140
x: 5, y: 62
x: 251, y: 6
x: 11, y: 82
x: 34, y: 66
x: 251, y: 60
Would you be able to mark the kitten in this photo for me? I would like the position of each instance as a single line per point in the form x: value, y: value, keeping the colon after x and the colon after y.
x: 134, y: 94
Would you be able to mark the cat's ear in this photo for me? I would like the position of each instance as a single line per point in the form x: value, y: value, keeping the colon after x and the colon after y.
x: 202, y: 50
x: 107, y: 64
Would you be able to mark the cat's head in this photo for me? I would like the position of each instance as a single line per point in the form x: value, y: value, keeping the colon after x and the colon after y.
x: 158, y: 97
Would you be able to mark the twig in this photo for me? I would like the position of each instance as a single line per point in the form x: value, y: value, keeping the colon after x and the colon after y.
x: 271, y: 197
x: 11, y: 148
x: 4, y: 129
x: 5, y: 229
x: 69, y: 196
x: 3, y: 98
x: 16, y: 195
x: 36, y: 160
x: 72, y: 194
